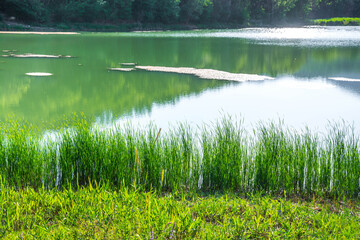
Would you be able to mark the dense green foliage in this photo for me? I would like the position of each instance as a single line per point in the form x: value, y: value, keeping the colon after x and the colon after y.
x: 100, y: 213
x: 177, y: 11
x: 219, y: 158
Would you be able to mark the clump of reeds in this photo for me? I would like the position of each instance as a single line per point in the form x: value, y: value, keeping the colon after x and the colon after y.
x: 222, y: 157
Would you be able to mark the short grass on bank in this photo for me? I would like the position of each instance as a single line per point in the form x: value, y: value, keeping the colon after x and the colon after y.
x: 339, y: 21
x: 100, y: 213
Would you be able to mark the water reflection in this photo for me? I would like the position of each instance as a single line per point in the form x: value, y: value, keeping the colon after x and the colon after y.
x: 300, y: 102
x: 82, y: 84
x: 311, y: 36
x: 49, y: 99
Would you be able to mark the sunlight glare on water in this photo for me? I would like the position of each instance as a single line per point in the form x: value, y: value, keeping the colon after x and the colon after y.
x: 300, y: 36
x: 299, y: 102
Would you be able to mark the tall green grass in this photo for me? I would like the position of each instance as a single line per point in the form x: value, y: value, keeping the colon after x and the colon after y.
x: 223, y: 157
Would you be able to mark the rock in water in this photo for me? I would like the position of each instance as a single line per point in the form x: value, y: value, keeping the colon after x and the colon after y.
x: 39, y: 74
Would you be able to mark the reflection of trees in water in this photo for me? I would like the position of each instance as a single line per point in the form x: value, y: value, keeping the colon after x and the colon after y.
x: 11, y: 92
x: 89, y: 88
x: 119, y: 93
x: 333, y: 54
x: 332, y: 62
x: 232, y: 55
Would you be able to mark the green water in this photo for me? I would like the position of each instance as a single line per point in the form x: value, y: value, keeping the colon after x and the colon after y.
x: 83, y: 83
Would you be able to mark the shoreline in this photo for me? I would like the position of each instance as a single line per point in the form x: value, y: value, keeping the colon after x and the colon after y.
x: 79, y: 31
x: 39, y: 33
x: 72, y: 28
x: 9, y: 27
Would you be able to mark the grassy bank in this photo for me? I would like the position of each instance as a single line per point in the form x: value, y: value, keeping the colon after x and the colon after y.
x: 100, y: 213
x: 219, y: 181
x: 344, y: 21
x: 128, y: 27
x: 223, y: 157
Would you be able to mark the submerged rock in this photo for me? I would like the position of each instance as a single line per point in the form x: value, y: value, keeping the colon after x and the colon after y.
x: 39, y: 74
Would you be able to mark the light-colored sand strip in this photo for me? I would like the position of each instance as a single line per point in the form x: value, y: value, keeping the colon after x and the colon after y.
x: 31, y: 55
x: 40, y: 33
x: 39, y: 74
x: 121, y: 69
x: 344, y: 79
x: 207, y: 73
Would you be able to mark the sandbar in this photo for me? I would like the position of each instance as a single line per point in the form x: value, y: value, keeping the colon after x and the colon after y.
x: 39, y: 33
x: 31, y: 55
x: 207, y: 73
x: 343, y: 79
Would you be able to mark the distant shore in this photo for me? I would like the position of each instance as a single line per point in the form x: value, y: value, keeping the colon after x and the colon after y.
x: 95, y: 27
x: 74, y: 28
x: 61, y: 28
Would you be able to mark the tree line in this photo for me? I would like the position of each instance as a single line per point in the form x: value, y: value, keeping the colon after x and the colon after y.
x: 176, y: 11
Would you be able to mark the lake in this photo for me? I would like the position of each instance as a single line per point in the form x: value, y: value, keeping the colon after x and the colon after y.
x: 316, y: 73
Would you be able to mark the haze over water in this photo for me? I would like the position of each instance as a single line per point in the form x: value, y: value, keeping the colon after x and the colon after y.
x: 303, y: 61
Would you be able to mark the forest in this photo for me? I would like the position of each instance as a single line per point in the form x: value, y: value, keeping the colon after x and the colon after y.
x: 245, y: 12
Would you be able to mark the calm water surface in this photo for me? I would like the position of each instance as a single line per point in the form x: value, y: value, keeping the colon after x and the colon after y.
x: 302, y: 61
